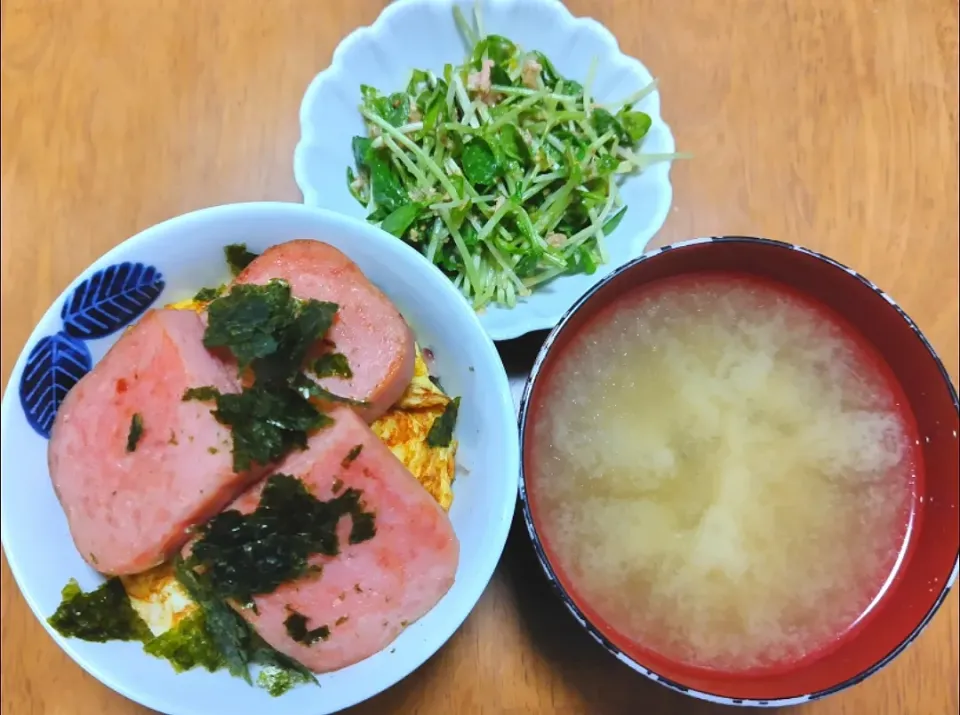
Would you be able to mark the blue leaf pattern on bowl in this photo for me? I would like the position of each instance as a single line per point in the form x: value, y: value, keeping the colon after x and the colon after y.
x: 55, y: 365
x: 110, y: 299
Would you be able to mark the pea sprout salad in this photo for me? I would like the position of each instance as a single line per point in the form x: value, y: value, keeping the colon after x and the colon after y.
x: 500, y: 171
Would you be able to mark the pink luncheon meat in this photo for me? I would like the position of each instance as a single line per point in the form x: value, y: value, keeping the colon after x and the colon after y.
x: 368, y: 330
x: 129, y: 510
x: 369, y: 592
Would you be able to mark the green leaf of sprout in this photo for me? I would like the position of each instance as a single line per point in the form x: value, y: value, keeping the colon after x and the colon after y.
x: 400, y: 219
x: 479, y: 163
x: 636, y: 124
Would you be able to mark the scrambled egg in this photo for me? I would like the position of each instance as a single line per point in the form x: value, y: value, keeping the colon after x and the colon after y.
x: 157, y: 596
x: 404, y: 430
x: 160, y: 599
x: 188, y: 304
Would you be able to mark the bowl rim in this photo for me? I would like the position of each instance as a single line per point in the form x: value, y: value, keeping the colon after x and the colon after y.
x: 551, y: 574
x: 636, y: 242
x: 504, y: 405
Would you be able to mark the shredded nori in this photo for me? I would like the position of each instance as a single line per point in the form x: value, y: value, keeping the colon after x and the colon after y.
x: 248, y: 320
x: 203, y: 394
x: 351, y: 456
x: 277, y: 681
x: 441, y: 431
x: 136, y: 431
x: 238, y: 257
x: 205, y: 295
x: 238, y: 644
x: 308, y: 388
x: 266, y: 424
x: 229, y: 631
x: 102, y: 615
x: 244, y: 555
x: 332, y: 365
x: 269, y: 332
x: 307, y: 323
x: 296, y: 625
x: 364, y: 527
x: 188, y: 645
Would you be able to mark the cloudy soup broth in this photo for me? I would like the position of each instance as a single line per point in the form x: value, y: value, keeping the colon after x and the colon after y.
x: 723, y: 472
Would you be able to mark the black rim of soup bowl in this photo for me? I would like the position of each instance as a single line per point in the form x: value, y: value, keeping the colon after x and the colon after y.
x: 548, y: 568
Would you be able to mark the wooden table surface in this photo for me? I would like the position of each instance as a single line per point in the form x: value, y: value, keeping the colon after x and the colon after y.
x: 830, y: 123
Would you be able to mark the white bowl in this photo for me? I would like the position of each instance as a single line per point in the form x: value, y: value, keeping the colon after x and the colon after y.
x: 421, y: 34
x: 187, y: 253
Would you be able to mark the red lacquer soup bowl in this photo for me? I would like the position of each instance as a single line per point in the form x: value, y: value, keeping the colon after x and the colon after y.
x: 930, y: 562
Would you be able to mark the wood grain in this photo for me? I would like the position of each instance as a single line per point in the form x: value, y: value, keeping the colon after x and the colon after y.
x: 831, y: 123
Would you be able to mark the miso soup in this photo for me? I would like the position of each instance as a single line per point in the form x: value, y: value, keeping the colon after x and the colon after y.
x: 723, y: 472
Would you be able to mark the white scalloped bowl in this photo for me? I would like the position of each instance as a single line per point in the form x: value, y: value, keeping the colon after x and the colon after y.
x: 421, y: 34
x: 167, y: 263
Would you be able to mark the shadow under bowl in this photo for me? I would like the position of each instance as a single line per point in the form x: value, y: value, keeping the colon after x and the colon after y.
x: 930, y: 565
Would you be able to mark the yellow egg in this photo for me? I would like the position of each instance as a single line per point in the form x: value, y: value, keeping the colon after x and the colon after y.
x: 404, y: 430
x: 158, y: 597
x: 188, y: 304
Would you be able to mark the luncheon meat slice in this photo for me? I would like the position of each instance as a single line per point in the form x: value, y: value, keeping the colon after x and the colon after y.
x: 368, y: 329
x: 369, y: 592
x: 129, y: 502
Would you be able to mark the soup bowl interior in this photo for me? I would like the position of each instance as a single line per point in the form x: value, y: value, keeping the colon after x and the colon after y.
x: 929, y: 565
